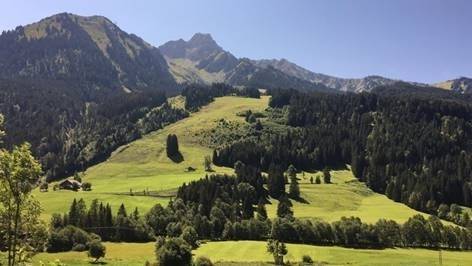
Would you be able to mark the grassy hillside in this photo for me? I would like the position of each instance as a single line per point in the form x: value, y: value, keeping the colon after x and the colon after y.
x: 144, y: 165
x: 345, y: 196
x: 254, y: 252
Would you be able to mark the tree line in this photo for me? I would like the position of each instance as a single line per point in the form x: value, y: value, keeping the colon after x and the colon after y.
x: 414, y: 147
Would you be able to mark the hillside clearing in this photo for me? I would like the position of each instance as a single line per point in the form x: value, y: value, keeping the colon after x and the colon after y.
x: 345, y: 196
x: 144, y: 165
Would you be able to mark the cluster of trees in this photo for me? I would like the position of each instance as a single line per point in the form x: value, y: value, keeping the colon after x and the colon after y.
x: 414, y: 147
x: 352, y: 232
x: 250, y: 92
x: 221, y: 207
x: 198, y: 95
x: 72, y: 127
x: 99, y: 219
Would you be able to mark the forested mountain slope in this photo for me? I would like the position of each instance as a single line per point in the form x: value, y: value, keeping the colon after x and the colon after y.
x: 77, y: 87
x: 411, y: 143
x: 91, y: 51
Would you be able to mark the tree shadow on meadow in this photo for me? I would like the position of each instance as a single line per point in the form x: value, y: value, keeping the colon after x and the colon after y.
x: 177, y: 158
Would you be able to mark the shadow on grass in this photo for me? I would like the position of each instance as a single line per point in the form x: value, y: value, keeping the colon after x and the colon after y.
x: 177, y: 158
x: 98, y: 262
x: 301, y: 200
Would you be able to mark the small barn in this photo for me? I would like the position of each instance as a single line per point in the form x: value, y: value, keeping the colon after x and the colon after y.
x: 70, y: 184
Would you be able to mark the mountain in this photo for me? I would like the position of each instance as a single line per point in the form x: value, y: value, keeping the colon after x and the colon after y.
x: 461, y: 85
x: 76, y: 88
x: 90, y: 50
x: 202, y: 60
x: 342, y: 84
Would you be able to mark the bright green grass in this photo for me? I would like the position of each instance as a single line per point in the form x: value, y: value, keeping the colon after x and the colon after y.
x: 122, y: 254
x: 143, y: 164
x: 255, y: 251
x: 344, y: 197
x: 241, y: 252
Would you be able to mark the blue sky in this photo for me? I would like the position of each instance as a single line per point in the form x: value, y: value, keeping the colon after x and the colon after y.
x: 415, y: 40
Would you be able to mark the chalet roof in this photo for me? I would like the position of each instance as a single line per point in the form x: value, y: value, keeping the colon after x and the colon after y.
x: 71, y: 181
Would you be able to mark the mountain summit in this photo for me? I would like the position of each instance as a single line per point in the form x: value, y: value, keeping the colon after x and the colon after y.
x: 461, y: 85
x: 201, y: 59
x: 89, y: 50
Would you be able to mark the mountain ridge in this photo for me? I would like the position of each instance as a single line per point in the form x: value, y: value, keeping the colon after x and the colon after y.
x: 92, y: 50
x: 181, y: 49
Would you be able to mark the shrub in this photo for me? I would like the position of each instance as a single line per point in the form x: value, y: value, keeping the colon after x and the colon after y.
x: 203, y: 261
x: 86, y: 186
x: 174, y: 252
x: 96, y: 250
x: 307, y: 260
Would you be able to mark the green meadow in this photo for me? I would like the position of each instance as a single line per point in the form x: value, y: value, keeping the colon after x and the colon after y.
x: 144, y: 165
x: 345, y: 196
x: 254, y: 253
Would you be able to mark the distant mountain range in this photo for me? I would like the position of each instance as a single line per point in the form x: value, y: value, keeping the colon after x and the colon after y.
x: 97, y: 54
x: 202, y: 60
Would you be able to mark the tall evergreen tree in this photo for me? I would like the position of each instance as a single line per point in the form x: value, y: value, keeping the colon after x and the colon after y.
x: 294, y: 188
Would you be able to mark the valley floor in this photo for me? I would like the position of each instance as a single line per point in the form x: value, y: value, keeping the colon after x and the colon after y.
x: 254, y: 253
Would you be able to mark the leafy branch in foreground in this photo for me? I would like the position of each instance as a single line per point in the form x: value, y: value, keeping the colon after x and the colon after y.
x: 21, y: 230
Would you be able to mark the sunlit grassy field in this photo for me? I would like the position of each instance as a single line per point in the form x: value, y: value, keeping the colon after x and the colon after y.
x: 121, y: 254
x: 345, y: 196
x: 144, y: 165
x: 250, y: 252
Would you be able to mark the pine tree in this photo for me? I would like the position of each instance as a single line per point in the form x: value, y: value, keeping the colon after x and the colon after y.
x: 326, y: 176
x: 172, y: 146
x: 122, y: 211
x: 284, y: 208
x: 261, y: 211
x: 73, y: 213
x: 276, y: 182
x: 136, y: 214
x: 294, y: 188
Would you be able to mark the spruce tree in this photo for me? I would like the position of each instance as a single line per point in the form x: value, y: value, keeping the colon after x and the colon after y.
x: 294, y: 188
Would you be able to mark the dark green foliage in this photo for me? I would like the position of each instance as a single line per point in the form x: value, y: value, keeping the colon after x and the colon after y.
x: 284, y: 208
x: 250, y: 92
x: 70, y: 129
x: 68, y: 238
x: 98, y: 219
x: 174, y: 252
x: 294, y: 188
x: 307, y: 260
x: 172, y: 146
x: 326, y: 176
x: 215, y: 208
x: 86, y: 186
x: 276, y: 181
x: 411, y: 143
x: 96, y: 250
x: 203, y: 261
x: 197, y: 95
